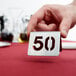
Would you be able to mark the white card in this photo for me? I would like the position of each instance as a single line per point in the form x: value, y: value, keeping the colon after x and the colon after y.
x: 44, y: 44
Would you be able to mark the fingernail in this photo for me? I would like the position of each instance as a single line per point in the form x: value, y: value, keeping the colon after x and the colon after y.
x: 64, y: 33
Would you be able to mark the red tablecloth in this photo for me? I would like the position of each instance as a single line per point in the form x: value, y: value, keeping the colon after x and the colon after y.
x: 14, y: 61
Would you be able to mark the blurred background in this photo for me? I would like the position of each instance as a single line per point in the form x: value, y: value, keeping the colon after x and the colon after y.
x: 16, y: 15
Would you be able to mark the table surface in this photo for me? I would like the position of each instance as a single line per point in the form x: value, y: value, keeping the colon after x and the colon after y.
x: 14, y: 61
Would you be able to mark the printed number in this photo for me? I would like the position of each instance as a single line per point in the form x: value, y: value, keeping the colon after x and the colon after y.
x: 36, y: 41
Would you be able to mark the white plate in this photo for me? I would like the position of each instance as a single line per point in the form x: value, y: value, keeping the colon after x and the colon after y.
x: 3, y: 44
x: 68, y: 45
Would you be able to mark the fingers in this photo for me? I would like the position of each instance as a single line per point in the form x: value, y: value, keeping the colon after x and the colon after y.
x: 45, y: 27
x: 65, y: 26
x: 52, y: 27
x: 37, y: 17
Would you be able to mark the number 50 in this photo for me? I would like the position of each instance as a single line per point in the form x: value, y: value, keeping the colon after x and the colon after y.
x: 38, y: 41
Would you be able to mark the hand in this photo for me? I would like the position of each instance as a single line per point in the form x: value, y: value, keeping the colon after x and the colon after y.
x: 53, y: 18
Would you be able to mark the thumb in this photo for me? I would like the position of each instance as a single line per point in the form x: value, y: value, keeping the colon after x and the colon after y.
x: 65, y: 26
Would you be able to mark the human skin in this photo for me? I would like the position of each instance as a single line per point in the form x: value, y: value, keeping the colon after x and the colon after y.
x: 53, y: 18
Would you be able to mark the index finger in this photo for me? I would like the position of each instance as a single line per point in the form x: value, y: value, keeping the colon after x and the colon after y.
x: 37, y: 17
